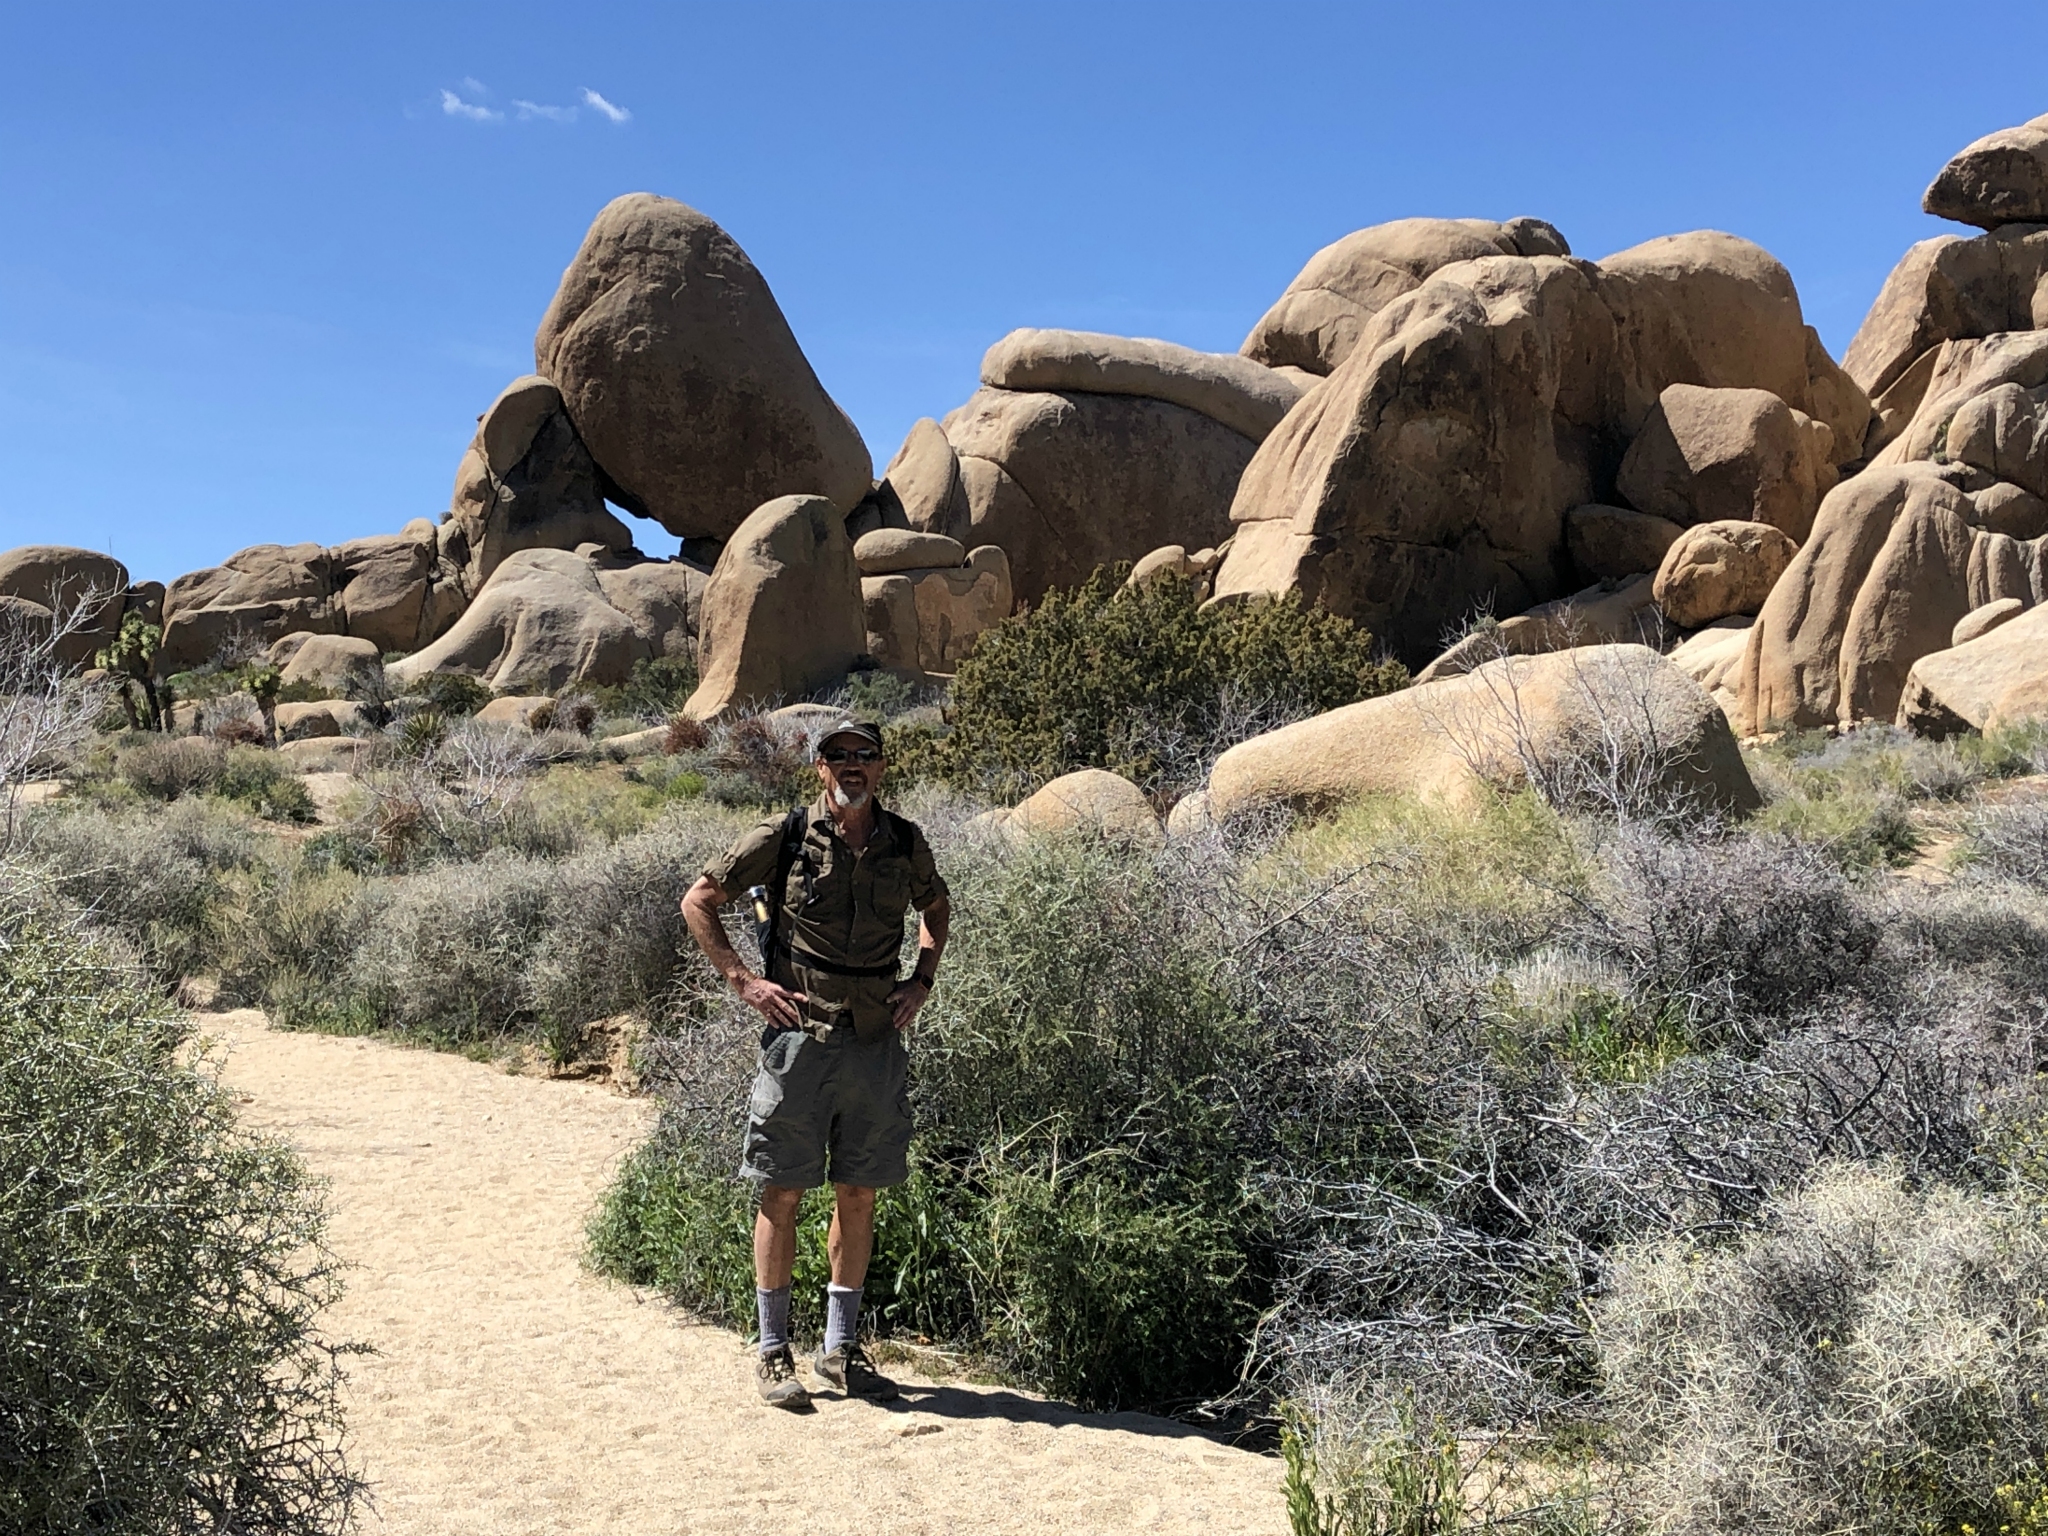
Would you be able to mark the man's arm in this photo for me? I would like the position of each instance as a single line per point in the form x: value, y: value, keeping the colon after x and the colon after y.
x: 933, y: 924
x: 778, y: 1005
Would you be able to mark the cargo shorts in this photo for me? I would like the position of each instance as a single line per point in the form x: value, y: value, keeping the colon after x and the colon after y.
x: 829, y: 1105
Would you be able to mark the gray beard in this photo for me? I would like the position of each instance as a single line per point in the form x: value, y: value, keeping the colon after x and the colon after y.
x: 847, y: 802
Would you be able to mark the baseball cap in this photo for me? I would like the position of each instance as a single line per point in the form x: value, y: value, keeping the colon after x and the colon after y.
x: 866, y: 730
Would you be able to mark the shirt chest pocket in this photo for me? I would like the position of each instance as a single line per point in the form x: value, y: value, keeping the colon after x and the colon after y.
x: 891, y: 890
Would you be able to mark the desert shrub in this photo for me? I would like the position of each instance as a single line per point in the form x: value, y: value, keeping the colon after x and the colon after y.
x: 162, y: 1273
x: 657, y: 688
x: 759, y: 761
x: 2010, y: 842
x: 449, y: 694
x: 1144, y: 682
x: 1736, y: 931
x: 265, y: 784
x: 155, y: 878
x: 444, y: 956
x: 613, y: 940
x: 286, y: 935
x: 168, y: 769
x: 571, y: 713
x: 1867, y: 1360
x: 880, y: 696
x: 684, y: 735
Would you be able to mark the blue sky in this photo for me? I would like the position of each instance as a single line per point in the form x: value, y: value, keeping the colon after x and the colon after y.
x: 257, y: 280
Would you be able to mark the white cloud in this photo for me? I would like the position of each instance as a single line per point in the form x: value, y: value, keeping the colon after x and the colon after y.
x: 532, y: 109
x: 615, y: 113
x: 455, y: 106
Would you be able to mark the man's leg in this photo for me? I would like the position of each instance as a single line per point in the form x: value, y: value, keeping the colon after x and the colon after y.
x: 852, y: 1241
x: 774, y: 1258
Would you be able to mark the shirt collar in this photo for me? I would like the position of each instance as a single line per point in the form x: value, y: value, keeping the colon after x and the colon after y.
x: 821, y: 818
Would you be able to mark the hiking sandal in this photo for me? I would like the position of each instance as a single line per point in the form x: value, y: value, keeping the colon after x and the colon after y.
x: 849, y: 1369
x: 775, y: 1375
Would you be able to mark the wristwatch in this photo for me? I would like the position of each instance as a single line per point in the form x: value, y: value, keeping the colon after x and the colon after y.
x: 923, y: 980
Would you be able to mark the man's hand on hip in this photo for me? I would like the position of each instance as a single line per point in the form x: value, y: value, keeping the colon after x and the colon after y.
x: 905, y: 999
x: 777, y: 1004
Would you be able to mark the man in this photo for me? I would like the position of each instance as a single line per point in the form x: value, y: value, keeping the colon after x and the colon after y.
x: 831, y: 1094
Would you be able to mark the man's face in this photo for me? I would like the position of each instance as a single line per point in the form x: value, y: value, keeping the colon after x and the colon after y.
x: 851, y: 768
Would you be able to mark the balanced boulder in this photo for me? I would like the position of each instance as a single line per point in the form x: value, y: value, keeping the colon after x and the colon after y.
x: 525, y: 482
x: 2000, y: 179
x: 1317, y: 320
x: 1716, y: 570
x: 1981, y: 621
x: 889, y: 550
x: 1722, y: 455
x: 1613, y: 715
x: 782, y: 609
x: 1240, y: 394
x: 683, y: 379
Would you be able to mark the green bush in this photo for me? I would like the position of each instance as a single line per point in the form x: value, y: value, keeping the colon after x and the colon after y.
x: 449, y: 694
x: 657, y: 688
x: 1144, y: 681
x: 162, y: 1274
x: 264, y: 784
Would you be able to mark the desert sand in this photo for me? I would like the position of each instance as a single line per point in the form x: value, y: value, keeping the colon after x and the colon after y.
x: 512, y: 1391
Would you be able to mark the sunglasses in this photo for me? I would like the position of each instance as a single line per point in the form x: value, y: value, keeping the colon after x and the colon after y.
x: 839, y: 757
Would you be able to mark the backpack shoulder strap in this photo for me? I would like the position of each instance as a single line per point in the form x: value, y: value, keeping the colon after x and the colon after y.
x: 794, y: 826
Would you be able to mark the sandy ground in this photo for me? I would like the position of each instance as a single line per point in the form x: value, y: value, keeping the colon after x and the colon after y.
x: 513, y: 1392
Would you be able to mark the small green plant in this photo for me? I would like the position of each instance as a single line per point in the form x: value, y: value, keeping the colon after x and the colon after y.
x: 1409, y: 1481
x: 658, y: 687
x: 264, y: 783
x: 422, y: 733
x: 449, y: 694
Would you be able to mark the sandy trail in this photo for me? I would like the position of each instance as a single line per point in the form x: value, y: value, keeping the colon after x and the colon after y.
x: 513, y: 1392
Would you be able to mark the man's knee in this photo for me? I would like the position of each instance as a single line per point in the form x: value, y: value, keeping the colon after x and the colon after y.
x: 780, y: 1205
x: 854, y: 1199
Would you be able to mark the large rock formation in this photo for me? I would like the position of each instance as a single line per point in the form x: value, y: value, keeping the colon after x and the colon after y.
x: 542, y: 623
x: 683, y: 378
x: 394, y: 590
x: 2000, y: 179
x: 1082, y: 449
x: 40, y: 582
x: 1317, y: 320
x: 525, y: 482
x: 1622, y: 712
x: 1898, y: 557
x: 1430, y: 473
x: 782, y: 610
x: 1236, y: 392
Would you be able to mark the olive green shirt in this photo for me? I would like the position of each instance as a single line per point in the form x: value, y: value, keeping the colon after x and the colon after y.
x: 842, y: 907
